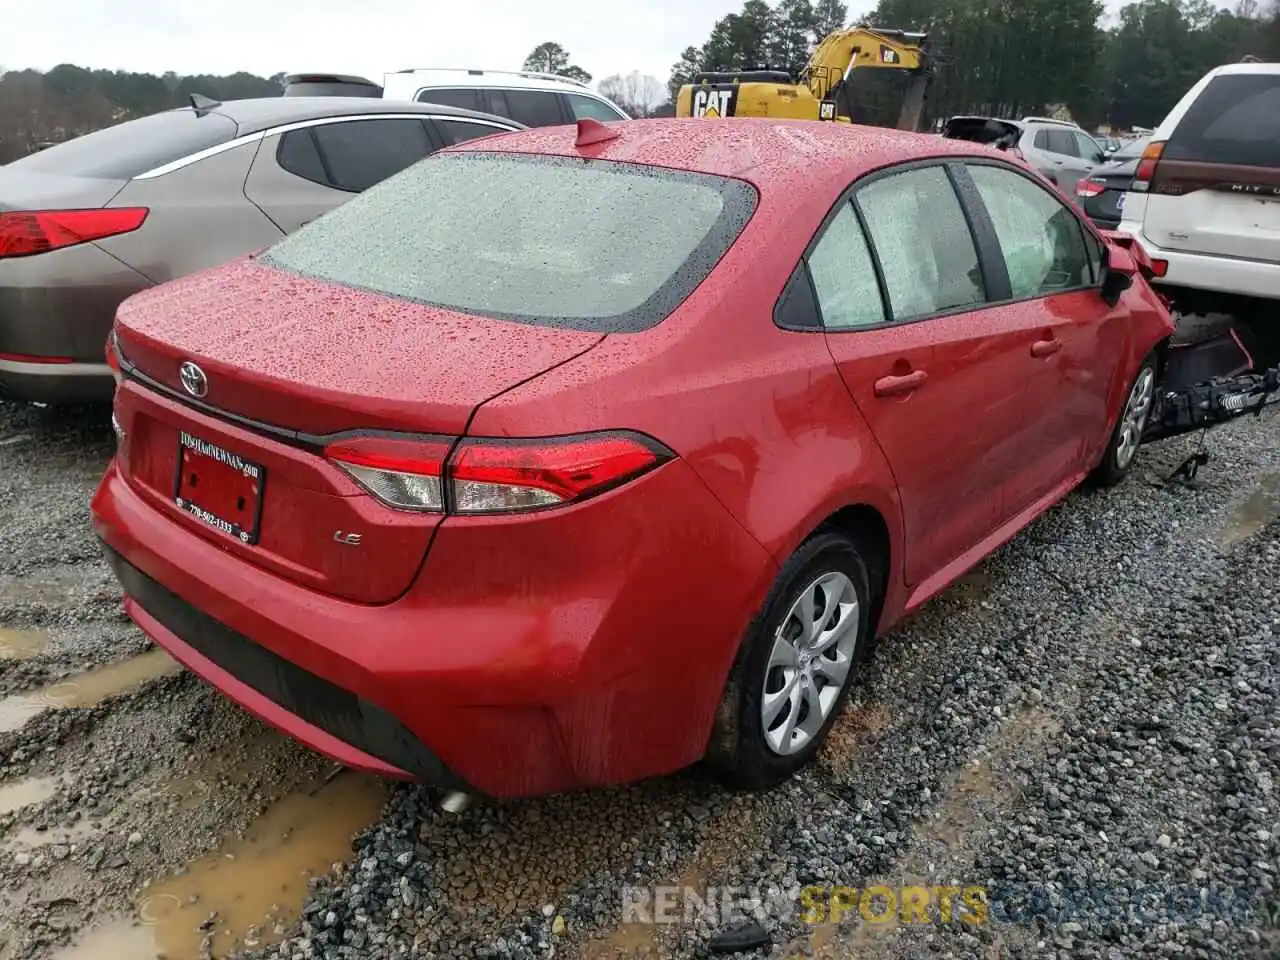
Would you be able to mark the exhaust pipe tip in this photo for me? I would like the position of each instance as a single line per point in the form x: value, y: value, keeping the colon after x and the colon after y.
x: 455, y: 801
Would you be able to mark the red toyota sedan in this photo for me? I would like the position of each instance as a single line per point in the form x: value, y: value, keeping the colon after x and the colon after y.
x: 574, y: 456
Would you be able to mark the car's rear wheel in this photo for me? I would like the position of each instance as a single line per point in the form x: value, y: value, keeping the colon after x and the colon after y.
x: 794, y: 670
x: 1126, y: 438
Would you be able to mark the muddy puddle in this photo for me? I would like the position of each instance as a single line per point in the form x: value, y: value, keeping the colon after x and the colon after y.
x: 255, y: 885
x: 1259, y: 509
x: 26, y: 793
x: 87, y: 689
x: 21, y: 644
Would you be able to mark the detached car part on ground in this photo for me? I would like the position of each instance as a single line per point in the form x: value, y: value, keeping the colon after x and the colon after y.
x: 514, y: 511
x: 90, y: 221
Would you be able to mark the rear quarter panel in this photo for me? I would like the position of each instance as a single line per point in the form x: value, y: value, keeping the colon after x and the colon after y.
x: 761, y: 414
x: 199, y: 218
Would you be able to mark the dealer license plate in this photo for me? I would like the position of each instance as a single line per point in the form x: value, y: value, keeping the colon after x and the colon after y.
x: 219, y: 488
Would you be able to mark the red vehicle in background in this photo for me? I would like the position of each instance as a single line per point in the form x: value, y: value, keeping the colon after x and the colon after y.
x: 578, y: 455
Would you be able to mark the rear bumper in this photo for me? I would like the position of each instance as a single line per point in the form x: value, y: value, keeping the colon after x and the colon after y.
x: 586, y: 673
x: 55, y: 383
x: 60, y: 305
x: 1247, y: 278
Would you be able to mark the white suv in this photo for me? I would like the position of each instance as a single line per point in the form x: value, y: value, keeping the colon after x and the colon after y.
x: 533, y: 99
x: 1205, y: 200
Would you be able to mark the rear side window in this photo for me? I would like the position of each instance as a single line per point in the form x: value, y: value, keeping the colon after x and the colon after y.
x: 297, y: 153
x: 922, y: 239
x: 587, y: 245
x: 844, y: 278
x: 466, y: 99
x: 359, y: 153
x: 1235, y: 120
x: 533, y: 108
x: 128, y: 149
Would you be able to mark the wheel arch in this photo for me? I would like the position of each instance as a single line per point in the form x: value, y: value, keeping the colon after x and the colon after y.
x: 868, y: 528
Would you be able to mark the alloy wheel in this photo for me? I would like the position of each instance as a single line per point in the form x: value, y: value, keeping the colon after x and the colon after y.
x: 810, y: 662
x: 1134, y: 420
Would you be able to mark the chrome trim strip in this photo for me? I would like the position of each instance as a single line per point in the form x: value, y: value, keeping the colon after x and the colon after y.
x: 216, y: 149
x: 585, y: 92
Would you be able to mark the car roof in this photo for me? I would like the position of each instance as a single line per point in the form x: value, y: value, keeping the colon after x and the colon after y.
x: 441, y: 76
x: 774, y: 155
x: 261, y: 113
x: 1247, y: 67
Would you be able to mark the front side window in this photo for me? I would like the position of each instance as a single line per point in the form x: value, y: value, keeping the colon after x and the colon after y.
x: 844, y: 278
x: 587, y: 245
x: 920, y: 234
x: 1041, y: 240
x: 1060, y: 142
x: 1088, y: 148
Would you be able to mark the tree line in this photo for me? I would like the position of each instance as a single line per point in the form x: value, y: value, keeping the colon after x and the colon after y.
x: 1006, y: 58
x: 37, y: 109
x: 1012, y: 58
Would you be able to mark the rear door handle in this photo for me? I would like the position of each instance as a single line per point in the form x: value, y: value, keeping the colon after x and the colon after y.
x: 1045, y: 348
x: 896, y: 386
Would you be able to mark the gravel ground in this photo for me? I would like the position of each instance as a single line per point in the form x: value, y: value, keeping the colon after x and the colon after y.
x: 1086, y: 728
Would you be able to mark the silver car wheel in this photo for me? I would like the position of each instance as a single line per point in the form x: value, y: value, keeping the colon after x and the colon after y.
x: 1134, y: 419
x: 809, y: 664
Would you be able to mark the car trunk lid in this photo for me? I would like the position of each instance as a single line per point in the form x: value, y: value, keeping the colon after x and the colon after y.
x: 288, y: 362
x: 314, y: 358
x: 42, y: 191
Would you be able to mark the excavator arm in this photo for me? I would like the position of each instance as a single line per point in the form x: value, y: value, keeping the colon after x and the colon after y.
x: 829, y: 72
x: 822, y: 92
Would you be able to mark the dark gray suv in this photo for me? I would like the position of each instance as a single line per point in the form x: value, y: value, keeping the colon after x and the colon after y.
x: 88, y: 222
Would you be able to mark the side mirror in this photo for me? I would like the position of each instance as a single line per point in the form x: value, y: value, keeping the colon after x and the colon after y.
x: 1117, y: 274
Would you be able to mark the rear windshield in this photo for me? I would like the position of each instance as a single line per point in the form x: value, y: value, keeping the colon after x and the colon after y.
x: 1235, y: 120
x: 128, y: 149
x: 559, y: 241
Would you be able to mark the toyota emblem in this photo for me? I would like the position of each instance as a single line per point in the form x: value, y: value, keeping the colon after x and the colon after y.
x: 193, y: 380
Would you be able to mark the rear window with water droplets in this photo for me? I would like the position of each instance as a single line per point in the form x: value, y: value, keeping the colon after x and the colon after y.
x: 561, y: 241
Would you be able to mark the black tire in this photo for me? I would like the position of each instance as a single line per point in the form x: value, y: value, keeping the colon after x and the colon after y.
x: 1116, y: 462
x: 739, y: 751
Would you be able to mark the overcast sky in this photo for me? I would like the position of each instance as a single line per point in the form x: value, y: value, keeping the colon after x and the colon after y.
x: 365, y: 37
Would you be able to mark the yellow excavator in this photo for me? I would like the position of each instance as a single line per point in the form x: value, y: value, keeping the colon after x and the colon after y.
x: 822, y: 89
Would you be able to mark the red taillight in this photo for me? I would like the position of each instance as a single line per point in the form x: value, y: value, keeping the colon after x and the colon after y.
x: 26, y: 233
x: 1088, y: 188
x: 494, y: 475
x: 503, y: 476
x: 1146, y: 171
x: 1159, y: 267
x: 32, y: 358
x: 401, y: 473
